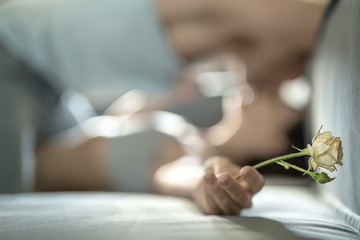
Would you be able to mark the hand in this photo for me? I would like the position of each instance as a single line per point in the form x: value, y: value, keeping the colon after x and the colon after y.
x: 219, y: 193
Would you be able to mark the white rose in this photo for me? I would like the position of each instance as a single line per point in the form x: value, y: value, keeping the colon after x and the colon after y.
x: 326, y: 151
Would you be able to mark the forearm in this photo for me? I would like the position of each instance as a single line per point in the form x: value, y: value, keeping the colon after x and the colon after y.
x: 78, y: 166
x: 178, y: 178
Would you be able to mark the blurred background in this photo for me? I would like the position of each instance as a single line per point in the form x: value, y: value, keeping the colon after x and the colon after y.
x: 80, y: 79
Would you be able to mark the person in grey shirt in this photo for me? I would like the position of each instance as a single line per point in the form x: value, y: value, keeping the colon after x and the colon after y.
x: 49, y: 47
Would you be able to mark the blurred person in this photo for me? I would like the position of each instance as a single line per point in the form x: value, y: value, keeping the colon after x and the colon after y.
x: 242, y: 120
x: 48, y: 47
x: 162, y: 152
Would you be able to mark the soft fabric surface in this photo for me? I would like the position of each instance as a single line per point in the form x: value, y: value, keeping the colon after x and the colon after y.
x: 336, y: 97
x: 276, y: 212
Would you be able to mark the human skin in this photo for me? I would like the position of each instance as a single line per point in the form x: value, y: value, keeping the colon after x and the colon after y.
x: 255, y: 124
x: 274, y: 37
x: 216, y: 191
x: 220, y: 193
x: 212, y: 186
x: 189, y: 170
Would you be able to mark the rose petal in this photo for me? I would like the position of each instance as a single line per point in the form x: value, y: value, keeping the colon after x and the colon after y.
x: 313, y: 164
x: 333, y: 150
x: 319, y: 148
x: 325, y: 159
x: 311, y: 151
x: 326, y: 134
x: 340, y: 155
x: 326, y: 151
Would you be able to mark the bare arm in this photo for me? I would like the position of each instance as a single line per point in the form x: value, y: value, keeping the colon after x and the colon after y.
x: 63, y: 164
x: 212, y: 185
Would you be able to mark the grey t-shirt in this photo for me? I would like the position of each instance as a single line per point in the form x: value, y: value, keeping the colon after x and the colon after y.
x: 82, y: 43
x: 49, y: 46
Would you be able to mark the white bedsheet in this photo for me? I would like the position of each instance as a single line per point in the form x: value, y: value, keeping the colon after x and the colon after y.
x: 278, y: 213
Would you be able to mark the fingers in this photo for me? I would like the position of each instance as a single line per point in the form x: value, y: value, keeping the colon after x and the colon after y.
x: 219, y: 193
x: 219, y: 164
x: 221, y: 197
x: 211, y: 206
x: 251, y: 179
x: 235, y: 191
x: 204, y: 198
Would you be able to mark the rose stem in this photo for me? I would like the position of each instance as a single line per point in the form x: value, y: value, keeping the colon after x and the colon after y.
x: 285, y: 164
x: 278, y: 159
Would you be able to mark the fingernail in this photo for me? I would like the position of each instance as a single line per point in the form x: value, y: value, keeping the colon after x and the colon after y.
x: 209, y: 179
x: 224, y: 180
x: 246, y: 173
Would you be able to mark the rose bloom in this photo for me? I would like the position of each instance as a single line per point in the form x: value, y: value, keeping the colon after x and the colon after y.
x: 326, y: 151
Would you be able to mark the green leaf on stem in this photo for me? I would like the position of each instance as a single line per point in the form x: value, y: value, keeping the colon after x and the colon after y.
x: 321, y: 177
